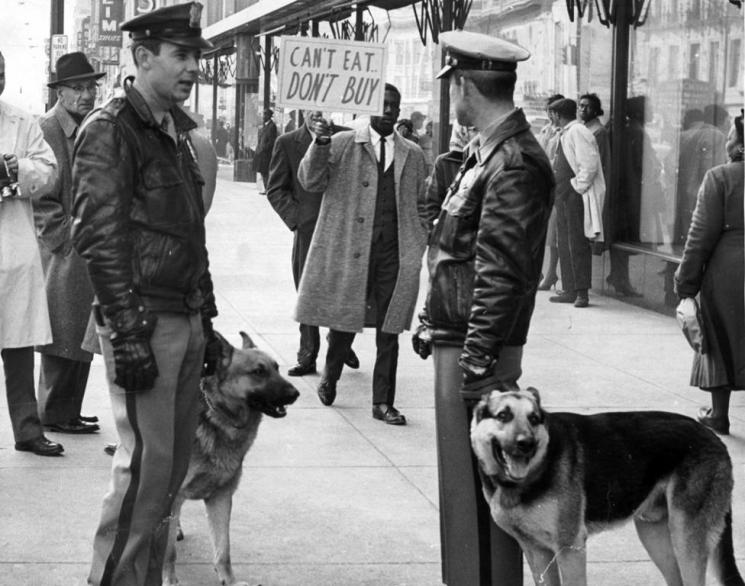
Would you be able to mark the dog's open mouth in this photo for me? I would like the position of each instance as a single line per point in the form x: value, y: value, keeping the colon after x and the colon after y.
x: 515, y: 464
x: 276, y: 411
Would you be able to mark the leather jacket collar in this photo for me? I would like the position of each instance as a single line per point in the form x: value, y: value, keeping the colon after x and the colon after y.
x: 513, y: 124
x: 181, y: 120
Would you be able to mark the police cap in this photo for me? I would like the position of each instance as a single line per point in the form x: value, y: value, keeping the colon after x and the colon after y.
x: 178, y: 25
x: 479, y: 52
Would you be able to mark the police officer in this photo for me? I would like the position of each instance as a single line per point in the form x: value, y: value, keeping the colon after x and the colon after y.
x: 139, y: 225
x: 485, y: 258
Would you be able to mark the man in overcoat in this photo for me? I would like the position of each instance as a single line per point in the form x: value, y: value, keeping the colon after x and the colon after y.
x: 64, y: 364
x: 298, y: 209
x: 27, y: 169
x: 265, y: 145
x: 368, y: 244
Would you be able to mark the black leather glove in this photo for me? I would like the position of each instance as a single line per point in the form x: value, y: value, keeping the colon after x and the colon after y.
x: 212, y: 349
x: 421, y: 341
x: 136, y: 369
x: 479, y: 380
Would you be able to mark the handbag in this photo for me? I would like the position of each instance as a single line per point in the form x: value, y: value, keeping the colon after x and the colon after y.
x: 688, y: 315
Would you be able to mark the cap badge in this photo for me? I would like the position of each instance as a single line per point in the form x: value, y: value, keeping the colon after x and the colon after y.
x: 195, y: 15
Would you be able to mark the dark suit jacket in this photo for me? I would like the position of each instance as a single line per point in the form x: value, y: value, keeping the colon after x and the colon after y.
x: 297, y: 207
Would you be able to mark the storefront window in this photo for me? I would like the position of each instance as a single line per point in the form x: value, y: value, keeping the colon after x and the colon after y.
x: 681, y: 118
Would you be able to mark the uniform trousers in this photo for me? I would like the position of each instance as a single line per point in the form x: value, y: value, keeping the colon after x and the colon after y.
x: 310, y: 339
x: 474, y: 551
x: 62, y: 385
x: 156, y: 431
x: 381, y: 281
x: 18, y: 364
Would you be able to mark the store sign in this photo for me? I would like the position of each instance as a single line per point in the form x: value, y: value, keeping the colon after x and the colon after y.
x: 331, y: 75
x: 110, y: 17
x: 58, y: 48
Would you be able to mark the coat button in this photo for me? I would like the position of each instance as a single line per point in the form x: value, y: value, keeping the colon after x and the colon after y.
x: 356, y: 255
x: 360, y: 220
x: 365, y: 183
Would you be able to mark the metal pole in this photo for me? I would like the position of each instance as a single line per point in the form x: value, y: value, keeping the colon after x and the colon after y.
x: 56, y: 27
x: 267, y: 71
x: 444, y: 135
x: 214, y: 97
x: 619, y: 86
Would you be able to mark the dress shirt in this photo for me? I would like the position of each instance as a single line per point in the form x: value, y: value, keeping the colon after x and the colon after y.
x: 389, y: 147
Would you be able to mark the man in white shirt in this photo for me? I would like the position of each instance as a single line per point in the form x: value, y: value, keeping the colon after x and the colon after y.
x: 580, y: 189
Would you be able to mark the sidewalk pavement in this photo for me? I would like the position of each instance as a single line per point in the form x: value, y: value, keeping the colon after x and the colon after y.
x: 330, y: 496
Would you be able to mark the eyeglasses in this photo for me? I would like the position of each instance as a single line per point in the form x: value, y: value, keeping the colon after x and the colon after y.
x: 79, y: 88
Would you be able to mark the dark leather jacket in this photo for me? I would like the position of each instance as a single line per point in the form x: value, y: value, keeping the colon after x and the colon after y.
x: 487, y: 246
x: 138, y: 213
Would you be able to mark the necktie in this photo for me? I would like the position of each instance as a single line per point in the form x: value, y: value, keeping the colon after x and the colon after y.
x: 381, y: 161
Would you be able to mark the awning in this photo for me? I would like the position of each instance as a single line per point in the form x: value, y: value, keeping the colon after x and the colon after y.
x: 270, y: 16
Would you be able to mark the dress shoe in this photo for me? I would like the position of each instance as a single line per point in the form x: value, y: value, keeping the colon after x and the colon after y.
x: 88, y: 418
x: 547, y: 283
x: 303, y: 368
x: 73, y: 426
x: 563, y: 297
x: 388, y: 414
x: 352, y: 361
x: 582, y: 300
x: 717, y: 424
x: 40, y: 446
x: 327, y: 392
x: 109, y: 449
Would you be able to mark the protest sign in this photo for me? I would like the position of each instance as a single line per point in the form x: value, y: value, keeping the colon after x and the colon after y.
x: 331, y: 75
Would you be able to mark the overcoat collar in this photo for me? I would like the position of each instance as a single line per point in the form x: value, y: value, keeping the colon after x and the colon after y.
x: 401, y: 150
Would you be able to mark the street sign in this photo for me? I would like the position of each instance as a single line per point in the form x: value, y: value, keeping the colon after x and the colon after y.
x: 332, y: 75
x: 59, y: 48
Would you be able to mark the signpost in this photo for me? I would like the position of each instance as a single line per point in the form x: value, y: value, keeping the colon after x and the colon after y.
x: 331, y: 75
x: 58, y: 48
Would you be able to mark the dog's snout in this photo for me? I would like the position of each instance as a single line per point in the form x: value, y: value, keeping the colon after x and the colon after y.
x: 525, y: 444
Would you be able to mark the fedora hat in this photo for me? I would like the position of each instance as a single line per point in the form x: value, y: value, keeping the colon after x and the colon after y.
x: 73, y: 67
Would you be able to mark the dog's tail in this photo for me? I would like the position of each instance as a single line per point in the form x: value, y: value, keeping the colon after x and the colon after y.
x: 723, y: 559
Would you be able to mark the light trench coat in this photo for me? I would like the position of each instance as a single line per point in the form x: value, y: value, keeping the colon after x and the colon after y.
x: 24, y: 316
x: 332, y: 291
x: 583, y: 156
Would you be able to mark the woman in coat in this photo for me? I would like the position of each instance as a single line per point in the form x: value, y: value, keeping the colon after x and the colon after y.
x: 712, y: 265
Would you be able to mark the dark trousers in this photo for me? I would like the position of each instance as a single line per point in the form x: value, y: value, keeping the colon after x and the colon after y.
x: 310, y: 339
x: 18, y: 364
x: 381, y: 281
x: 575, y: 255
x: 61, y: 388
x: 474, y: 551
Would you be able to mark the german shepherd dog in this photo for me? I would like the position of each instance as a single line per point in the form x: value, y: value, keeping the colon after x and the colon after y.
x: 551, y: 479
x: 245, y: 386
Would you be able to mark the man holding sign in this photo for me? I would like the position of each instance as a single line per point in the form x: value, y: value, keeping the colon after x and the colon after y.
x: 365, y: 256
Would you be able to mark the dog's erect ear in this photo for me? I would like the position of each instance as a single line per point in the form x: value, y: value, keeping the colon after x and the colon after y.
x: 533, y: 391
x: 226, y: 350
x: 247, y: 341
x: 478, y: 410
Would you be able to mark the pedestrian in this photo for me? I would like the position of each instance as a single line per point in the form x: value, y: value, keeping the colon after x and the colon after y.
x: 426, y: 143
x: 64, y: 364
x: 712, y: 268
x: 139, y: 225
x: 484, y: 262
x: 405, y: 128
x: 445, y: 169
x: 265, y: 146
x: 298, y: 209
x: 221, y: 138
x: 367, y: 247
x: 580, y: 189
x: 548, y: 138
x: 28, y: 169
x: 417, y: 123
